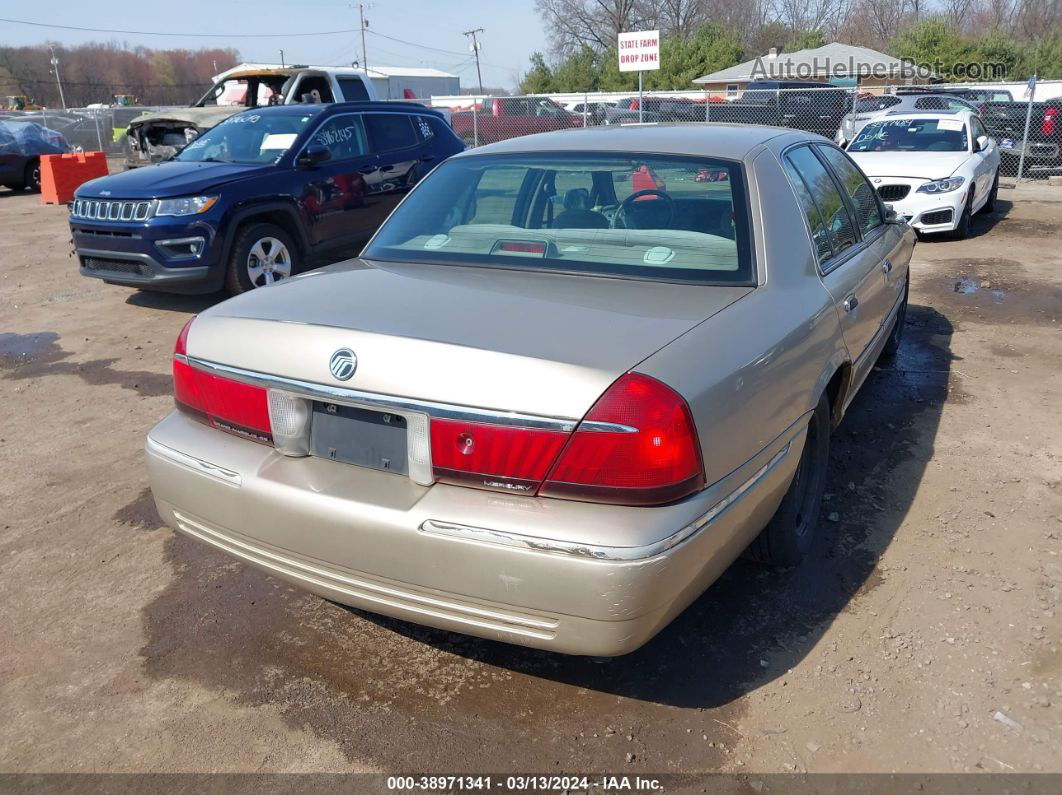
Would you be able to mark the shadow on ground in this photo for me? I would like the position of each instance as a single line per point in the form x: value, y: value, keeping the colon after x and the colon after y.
x: 397, y: 694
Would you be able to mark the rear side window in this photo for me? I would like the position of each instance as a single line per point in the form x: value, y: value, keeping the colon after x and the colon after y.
x: 353, y: 89
x: 422, y: 127
x: 390, y: 131
x: 864, y: 199
x: 827, y: 197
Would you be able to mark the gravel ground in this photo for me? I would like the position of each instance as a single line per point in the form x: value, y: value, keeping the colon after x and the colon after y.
x: 921, y: 635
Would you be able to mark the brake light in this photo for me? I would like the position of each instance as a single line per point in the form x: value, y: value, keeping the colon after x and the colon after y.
x: 1048, y: 125
x: 493, y: 456
x: 224, y: 404
x: 651, y: 454
x: 634, y: 104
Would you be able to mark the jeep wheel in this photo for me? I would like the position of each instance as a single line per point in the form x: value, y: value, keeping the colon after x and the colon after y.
x: 263, y: 254
x: 788, y: 536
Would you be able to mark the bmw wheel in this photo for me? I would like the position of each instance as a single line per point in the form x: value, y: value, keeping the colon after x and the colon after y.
x: 990, y: 204
x: 262, y: 255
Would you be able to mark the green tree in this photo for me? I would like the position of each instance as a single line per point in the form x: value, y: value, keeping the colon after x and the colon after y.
x: 579, y: 72
x: 805, y: 40
x: 935, y: 43
x: 539, y: 78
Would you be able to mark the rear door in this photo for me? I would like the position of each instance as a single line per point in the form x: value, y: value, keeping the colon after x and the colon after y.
x: 402, y: 153
x: 335, y: 197
x: 851, y: 271
x: 885, y: 243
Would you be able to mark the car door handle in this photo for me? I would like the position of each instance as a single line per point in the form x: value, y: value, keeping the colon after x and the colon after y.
x: 886, y: 267
x: 850, y: 303
x: 426, y: 158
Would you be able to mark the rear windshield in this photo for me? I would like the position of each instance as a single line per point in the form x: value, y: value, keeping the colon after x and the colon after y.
x: 638, y: 216
x: 912, y: 135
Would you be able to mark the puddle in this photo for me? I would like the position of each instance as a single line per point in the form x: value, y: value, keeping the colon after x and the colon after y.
x: 995, y: 291
x: 18, y: 349
x: 39, y: 355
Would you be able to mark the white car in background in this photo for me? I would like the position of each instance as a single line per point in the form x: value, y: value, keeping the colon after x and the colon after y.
x: 870, y: 109
x: 936, y: 170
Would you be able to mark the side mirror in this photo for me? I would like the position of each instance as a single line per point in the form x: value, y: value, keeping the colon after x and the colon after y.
x: 314, y: 155
x: 890, y: 215
x: 981, y: 143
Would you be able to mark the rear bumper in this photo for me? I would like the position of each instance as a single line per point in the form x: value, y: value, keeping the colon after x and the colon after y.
x: 522, y: 570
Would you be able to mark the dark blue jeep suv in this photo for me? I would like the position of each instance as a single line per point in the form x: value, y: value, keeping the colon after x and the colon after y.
x: 265, y: 194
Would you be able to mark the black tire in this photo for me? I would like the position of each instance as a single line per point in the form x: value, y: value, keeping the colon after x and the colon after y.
x: 237, y: 275
x: 990, y: 205
x: 892, y: 344
x: 31, y: 177
x: 962, y: 231
x: 789, y: 535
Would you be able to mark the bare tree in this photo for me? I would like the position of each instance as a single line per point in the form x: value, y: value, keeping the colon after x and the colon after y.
x: 677, y: 17
x: 596, y: 23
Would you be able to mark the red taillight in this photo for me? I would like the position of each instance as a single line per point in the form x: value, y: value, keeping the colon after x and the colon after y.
x: 493, y: 456
x: 1048, y: 125
x: 227, y: 405
x: 634, y: 104
x: 653, y: 458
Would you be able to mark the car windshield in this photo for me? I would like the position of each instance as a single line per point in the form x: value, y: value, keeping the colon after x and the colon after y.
x: 247, y: 138
x: 912, y: 135
x: 640, y: 216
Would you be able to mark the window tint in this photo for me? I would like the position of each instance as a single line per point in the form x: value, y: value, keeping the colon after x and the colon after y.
x: 390, y: 131
x: 827, y: 198
x: 819, y: 232
x: 864, y: 199
x: 353, y: 89
x: 344, y: 136
x: 978, y: 128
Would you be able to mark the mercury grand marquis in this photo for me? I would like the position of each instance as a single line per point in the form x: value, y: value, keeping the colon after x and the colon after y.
x: 569, y: 380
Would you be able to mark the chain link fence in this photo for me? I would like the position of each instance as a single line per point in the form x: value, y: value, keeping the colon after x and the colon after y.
x: 1029, y: 132
x: 86, y: 129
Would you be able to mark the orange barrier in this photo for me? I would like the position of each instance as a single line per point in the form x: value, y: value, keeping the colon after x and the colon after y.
x: 62, y: 174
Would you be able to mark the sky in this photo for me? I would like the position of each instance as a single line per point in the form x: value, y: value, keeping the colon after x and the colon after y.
x: 512, y: 31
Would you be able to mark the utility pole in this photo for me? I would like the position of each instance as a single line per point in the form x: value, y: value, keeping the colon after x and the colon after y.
x: 475, y: 51
x: 58, y: 82
x: 364, y: 24
x: 282, y: 58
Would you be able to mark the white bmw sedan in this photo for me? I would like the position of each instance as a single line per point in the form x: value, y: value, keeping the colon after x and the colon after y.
x: 936, y: 170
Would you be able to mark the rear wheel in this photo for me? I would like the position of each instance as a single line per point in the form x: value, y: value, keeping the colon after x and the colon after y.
x: 788, y: 536
x: 31, y: 178
x: 263, y: 254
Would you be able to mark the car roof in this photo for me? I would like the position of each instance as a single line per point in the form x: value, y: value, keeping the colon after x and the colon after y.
x: 929, y: 114
x: 332, y: 108
x: 709, y: 139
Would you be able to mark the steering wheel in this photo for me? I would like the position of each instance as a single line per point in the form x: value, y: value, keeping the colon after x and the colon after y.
x: 621, y: 211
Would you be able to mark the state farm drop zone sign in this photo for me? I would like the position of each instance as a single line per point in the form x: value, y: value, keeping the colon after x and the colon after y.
x: 639, y: 51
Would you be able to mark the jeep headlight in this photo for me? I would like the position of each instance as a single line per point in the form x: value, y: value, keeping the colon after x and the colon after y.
x: 187, y: 205
x: 942, y: 185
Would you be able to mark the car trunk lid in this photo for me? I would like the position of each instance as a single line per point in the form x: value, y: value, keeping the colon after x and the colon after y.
x: 530, y: 342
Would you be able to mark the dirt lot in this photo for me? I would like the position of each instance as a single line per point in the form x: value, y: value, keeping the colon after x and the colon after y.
x: 921, y: 635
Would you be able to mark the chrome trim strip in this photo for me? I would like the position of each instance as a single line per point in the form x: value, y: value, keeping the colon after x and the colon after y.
x: 605, y: 427
x: 446, y: 411
x: 197, y: 465
x: 597, y: 552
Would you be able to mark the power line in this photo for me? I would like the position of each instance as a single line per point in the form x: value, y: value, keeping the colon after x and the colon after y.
x: 197, y: 34
x: 372, y: 32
